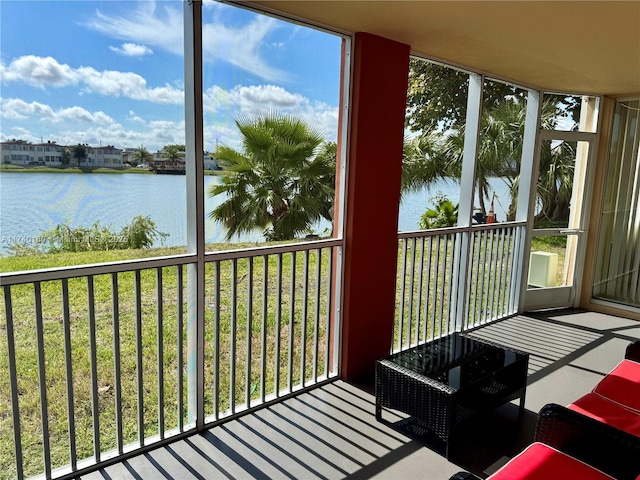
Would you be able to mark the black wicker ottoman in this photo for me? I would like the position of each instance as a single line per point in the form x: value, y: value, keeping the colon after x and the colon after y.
x: 445, y: 382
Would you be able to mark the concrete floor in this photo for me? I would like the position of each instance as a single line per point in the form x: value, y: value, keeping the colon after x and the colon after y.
x: 331, y: 433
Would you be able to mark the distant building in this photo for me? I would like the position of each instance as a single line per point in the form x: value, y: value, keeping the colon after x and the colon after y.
x: 160, y: 162
x: 210, y: 163
x: 21, y: 152
x: 17, y: 152
x: 49, y: 153
x: 109, y: 156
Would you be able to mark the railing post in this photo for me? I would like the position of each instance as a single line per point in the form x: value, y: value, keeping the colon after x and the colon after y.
x: 13, y: 381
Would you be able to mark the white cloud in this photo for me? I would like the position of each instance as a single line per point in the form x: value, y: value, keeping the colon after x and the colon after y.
x: 133, y: 117
x: 223, y: 106
x: 76, y: 124
x: 47, y: 72
x: 163, y: 28
x: 241, y: 46
x: 69, y: 126
x: 39, y: 72
x: 17, y: 109
x: 132, y: 50
x: 255, y: 99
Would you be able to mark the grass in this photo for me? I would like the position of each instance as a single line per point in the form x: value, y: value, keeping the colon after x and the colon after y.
x: 251, y: 327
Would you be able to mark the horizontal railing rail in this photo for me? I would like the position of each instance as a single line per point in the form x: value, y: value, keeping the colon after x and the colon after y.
x: 94, y: 358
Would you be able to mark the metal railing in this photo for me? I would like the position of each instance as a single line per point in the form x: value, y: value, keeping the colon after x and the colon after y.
x: 494, y: 274
x: 96, y: 362
x: 438, y: 292
x: 269, y: 330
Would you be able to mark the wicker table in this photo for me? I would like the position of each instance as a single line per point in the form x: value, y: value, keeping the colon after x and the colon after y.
x: 452, y: 379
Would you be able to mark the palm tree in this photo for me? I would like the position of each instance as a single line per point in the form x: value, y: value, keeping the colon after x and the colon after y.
x: 444, y: 214
x: 555, y: 182
x: 499, y: 154
x: 426, y: 159
x: 141, y: 155
x: 172, y: 152
x: 279, y: 182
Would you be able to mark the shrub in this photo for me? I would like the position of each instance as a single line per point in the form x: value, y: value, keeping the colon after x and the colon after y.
x: 444, y: 214
x: 141, y: 232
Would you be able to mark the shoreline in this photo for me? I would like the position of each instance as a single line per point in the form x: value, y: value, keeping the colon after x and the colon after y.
x: 4, y: 168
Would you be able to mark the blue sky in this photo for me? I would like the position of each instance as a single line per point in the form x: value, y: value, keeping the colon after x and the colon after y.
x: 112, y: 72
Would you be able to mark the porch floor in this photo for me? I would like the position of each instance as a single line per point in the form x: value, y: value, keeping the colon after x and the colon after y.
x: 331, y: 432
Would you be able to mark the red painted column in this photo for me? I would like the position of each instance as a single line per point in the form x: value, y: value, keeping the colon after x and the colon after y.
x: 376, y: 132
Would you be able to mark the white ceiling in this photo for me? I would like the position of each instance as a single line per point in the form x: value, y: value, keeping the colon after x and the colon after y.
x: 587, y: 47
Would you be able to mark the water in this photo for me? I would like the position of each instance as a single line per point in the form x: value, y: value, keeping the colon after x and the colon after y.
x: 31, y: 203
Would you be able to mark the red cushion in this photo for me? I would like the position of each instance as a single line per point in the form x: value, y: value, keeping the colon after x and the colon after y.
x: 602, y: 409
x: 541, y: 462
x: 622, y: 385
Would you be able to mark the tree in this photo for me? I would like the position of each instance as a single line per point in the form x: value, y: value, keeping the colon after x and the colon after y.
x: 436, y: 153
x: 79, y: 153
x: 426, y: 160
x: 66, y: 157
x: 437, y: 96
x: 555, y: 181
x: 141, y: 155
x: 280, y: 182
x: 444, y: 214
x: 172, y: 152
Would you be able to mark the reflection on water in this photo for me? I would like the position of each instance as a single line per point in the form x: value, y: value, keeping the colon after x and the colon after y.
x: 33, y: 202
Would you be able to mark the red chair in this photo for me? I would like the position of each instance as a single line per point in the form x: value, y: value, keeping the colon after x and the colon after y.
x: 615, y: 400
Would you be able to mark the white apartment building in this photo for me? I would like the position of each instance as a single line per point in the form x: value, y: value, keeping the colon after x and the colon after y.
x: 108, y: 156
x: 21, y: 152
x: 17, y: 152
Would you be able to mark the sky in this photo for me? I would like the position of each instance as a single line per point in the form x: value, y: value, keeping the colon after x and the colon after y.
x: 112, y: 72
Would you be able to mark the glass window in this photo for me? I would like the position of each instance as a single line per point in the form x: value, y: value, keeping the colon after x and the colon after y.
x: 569, y: 112
x: 434, y: 139
x: 499, y: 152
x: 269, y: 86
x: 124, y: 88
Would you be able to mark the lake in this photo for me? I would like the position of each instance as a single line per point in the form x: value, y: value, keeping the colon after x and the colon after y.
x: 33, y: 202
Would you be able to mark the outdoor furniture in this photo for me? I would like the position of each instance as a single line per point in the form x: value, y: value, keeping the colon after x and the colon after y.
x: 542, y: 462
x: 443, y: 383
x: 615, y: 400
x: 575, y: 446
x: 597, y: 436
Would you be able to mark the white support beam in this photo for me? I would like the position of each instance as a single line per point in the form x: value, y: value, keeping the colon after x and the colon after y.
x: 194, y: 145
x: 529, y: 166
x: 465, y: 207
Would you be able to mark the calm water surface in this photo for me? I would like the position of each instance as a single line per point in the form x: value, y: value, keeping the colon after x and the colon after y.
x: 33, y: 202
